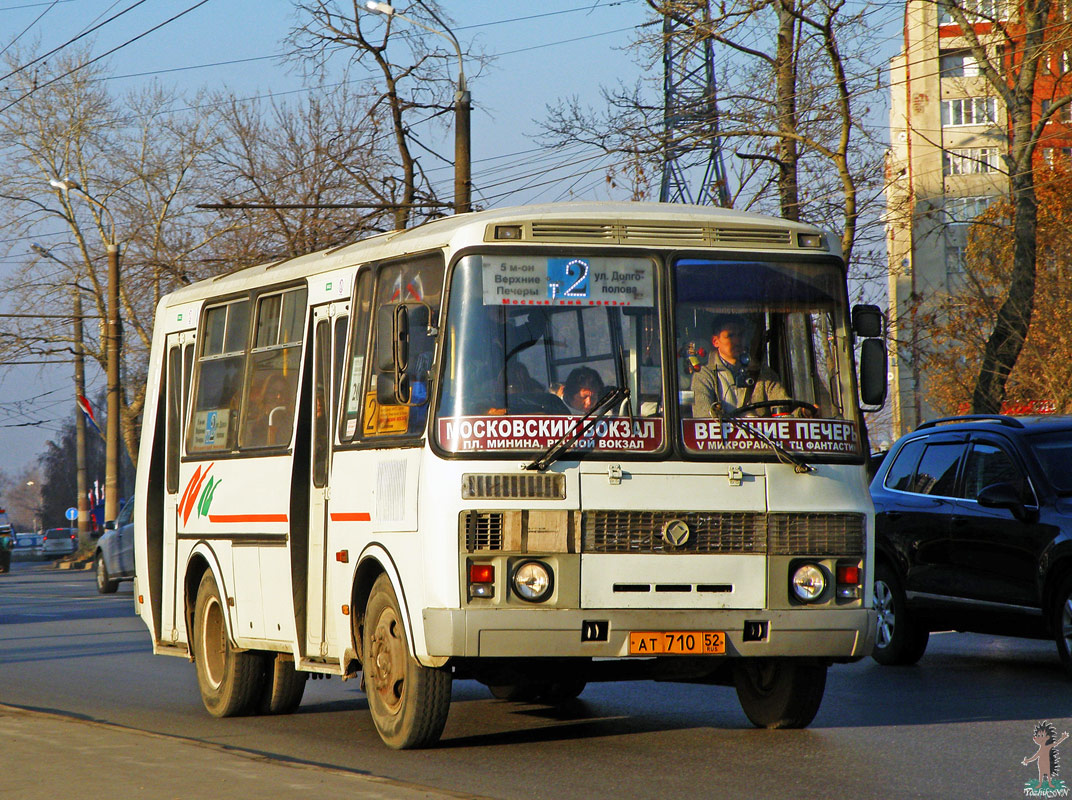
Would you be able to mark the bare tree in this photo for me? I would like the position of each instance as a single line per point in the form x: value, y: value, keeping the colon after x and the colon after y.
x: 416, y: 84
x: 300, y: 178
x: 137, y: 158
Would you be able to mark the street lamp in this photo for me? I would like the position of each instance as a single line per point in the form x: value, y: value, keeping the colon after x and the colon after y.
x: 113, y: 336
x: 80, y: 391
x: 462, y: 169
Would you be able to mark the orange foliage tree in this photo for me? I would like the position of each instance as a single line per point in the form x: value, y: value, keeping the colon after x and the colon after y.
x: 959, y: 324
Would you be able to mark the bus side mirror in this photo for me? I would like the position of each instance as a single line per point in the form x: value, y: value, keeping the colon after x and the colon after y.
x: 867, y: 321
x: 873, y: 372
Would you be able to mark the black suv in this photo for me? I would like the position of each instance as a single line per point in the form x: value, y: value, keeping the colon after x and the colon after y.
x: 974, y: 533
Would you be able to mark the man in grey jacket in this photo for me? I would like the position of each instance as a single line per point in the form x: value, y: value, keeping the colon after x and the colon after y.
x: 727, y: 382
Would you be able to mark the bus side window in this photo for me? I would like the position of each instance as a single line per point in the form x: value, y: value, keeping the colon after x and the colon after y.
x: 354, y: 401
x: 274, y: 363
x: 416, y: 284
x: 174, y: 417
x: 221, y: 364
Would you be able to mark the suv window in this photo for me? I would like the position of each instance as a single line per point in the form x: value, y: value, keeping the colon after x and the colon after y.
x: 904, y: 467
x: 937, y: 470
x: 988, y: 464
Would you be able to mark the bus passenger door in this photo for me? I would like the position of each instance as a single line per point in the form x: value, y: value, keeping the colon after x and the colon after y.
x: 180, y: 353
x: 329, y: 341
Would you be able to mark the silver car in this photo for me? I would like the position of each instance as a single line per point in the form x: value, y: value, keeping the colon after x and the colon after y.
x: 114, y: 559
x: 59, y: 542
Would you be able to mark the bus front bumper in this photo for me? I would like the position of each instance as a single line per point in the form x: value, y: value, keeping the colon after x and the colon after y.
x: 604, y: 633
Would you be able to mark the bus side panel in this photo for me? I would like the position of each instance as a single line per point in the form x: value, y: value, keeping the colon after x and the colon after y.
x: 246, y: 502
x: 374, y: 499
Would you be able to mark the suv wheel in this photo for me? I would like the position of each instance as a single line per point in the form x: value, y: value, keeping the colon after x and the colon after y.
x: 1062, y: 623
x: 900, y: 639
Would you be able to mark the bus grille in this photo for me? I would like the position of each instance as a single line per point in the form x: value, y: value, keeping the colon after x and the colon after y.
x: 513, y: 487
x: 483, y: 530
x: 815, y: 534
x: 725, y: 532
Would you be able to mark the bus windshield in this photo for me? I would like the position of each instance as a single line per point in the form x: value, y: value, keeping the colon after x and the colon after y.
x: 763, y: 357
x: 534, y: 342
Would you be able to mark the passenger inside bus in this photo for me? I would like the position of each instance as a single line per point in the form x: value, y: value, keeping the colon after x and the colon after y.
x: 730, y: 381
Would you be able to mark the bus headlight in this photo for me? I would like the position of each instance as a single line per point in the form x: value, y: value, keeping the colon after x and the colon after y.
x: 809, y: 583
x: 533, y: 581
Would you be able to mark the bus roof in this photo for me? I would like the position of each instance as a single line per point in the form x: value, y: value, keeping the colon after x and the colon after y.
x: 575, y: 223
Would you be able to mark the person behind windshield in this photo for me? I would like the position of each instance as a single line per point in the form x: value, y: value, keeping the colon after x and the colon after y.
x: 582, y: 390
x: 727, y: 379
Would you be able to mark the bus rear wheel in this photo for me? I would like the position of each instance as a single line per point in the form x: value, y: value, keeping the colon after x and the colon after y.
x: 229, y: 679
x: 408, y: 702
x: 778, y: 692
x: 282, y: 685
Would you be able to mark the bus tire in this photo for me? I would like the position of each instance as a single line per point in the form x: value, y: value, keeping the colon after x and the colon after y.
x: 229, y: 679
x: 779, y: 692
x: 283, y: 685
x: 408, y: 702
x: 105, y: 584
x: 900, y: 640
x: 561, y: 691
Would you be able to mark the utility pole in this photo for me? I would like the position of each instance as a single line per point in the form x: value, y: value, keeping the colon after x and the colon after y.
x: 81, y: 482
x: 463, y: 179
x: 113, y: 347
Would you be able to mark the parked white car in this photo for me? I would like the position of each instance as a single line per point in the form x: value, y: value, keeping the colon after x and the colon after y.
x: 114, y: 560
x: 59, y: 542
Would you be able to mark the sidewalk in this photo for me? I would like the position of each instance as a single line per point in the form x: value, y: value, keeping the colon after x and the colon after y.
x: 46, y: 755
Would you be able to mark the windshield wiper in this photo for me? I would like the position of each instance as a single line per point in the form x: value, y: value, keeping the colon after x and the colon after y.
x: 615, y: 395
x: 800, y: 466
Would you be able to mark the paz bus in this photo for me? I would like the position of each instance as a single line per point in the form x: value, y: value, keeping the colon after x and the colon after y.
x: 475, y: 449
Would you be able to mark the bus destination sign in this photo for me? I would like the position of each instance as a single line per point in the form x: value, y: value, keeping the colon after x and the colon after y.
x: 563, y: 281
x: 798, y: 435
x: 460, y: 434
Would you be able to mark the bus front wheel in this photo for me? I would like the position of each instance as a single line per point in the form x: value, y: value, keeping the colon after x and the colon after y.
x: 229, y: 679
x: 779, y: 693
x: 408, y: 702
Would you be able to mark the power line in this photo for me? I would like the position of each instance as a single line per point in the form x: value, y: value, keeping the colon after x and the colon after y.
x: 105, y: 54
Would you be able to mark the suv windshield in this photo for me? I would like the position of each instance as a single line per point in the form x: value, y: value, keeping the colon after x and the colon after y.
x: 763, y: 357
x: 534, y: 342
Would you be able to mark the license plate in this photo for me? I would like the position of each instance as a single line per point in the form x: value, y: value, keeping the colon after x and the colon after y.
x: 677, y: 643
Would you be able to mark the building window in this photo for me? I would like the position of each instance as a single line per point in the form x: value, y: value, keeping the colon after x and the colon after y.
x: 969, y: 111
x: 971, y: 161
x: 957, y: 64
x: 1064, y: 113
x: 954, y: 262
x: 1052, y: 154
x: 976, y: 10
x: 963, y: 210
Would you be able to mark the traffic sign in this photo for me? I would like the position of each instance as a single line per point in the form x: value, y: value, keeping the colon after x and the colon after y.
x: 72, y: 514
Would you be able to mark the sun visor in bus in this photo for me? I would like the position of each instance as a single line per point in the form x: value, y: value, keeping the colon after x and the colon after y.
x: 706, y: 282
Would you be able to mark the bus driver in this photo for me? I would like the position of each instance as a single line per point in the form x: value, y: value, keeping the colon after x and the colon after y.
x: 727, y: 378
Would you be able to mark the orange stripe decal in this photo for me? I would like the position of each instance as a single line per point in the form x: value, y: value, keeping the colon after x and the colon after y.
x: 351, y: 516
x: 247, y: 518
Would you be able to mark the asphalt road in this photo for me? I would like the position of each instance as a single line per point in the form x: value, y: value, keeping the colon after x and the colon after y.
x: 956, y: 725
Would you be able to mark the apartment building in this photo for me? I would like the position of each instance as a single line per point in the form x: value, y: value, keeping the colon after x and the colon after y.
x: 948, y: 136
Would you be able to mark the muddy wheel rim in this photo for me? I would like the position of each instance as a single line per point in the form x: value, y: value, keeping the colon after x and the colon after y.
x: 387, y: 656
x: 214, y: 642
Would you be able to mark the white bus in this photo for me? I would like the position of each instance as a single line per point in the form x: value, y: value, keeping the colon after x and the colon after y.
x: 515, y: 446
